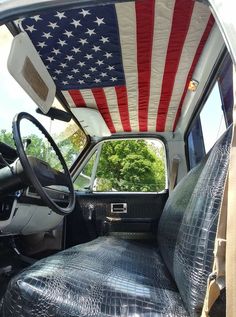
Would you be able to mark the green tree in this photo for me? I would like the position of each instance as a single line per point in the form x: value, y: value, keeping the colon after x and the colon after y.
x: 130, y: 165
x: 6, y: 137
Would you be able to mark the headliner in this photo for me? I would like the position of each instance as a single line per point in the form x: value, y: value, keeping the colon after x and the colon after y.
x: 132, y: 61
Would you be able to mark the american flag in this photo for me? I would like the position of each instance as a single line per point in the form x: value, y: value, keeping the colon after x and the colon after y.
x: 132, y: 61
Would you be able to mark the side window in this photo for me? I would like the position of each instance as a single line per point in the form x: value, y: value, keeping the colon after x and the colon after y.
x: 130, y: 166
x: 84, y: 179
x: 214, y: 117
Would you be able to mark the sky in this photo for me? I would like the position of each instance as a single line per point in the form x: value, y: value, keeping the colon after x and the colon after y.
x: 212, y: 118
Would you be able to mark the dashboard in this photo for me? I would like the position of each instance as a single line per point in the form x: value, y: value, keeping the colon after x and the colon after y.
x: 23, y: 211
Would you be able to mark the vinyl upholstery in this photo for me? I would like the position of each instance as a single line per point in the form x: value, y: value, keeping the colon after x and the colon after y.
x: 112, y: 277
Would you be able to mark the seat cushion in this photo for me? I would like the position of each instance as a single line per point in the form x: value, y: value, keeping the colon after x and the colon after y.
x: 105, y: 277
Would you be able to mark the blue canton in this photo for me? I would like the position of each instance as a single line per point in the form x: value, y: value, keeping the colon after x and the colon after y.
x: 80, y: 47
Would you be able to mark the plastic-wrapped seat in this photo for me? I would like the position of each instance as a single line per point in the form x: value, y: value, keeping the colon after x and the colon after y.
x: 112, y: 277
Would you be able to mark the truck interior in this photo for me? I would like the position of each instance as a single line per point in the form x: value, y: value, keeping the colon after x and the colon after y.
x: 115, y: 145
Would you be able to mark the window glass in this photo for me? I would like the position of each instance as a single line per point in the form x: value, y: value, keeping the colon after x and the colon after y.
x: 83, y: 181
x: 68, y: 136
x: 131, y: 166
x: 214, y: 118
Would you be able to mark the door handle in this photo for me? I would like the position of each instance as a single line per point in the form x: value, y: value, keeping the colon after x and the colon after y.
x: 119, y: 208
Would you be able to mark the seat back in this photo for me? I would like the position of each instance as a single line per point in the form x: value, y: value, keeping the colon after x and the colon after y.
x: 188, y: 225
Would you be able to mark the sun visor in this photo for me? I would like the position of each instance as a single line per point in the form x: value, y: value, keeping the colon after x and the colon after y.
x: 27, y: 68
x: 91, y: 121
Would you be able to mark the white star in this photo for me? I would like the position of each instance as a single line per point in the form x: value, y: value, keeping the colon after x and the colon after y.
x: 84, y: 12
x: 30, y: 28
x: 83, y: 41
x: 99, y: 21
x: 70, y: 76
x: 51, y: 59
x: 75, y: 70
x: 99, y: 62
x: 103, y: 74
x: 37, y: 18
x: 58, y: 71
x: 69, y: 57
x: 113, y: 79
x: 63, y: 65
x: 107, y: 55
x: 96, y: 48
x: 86, y: 75
x: 89, y: 56
x: 97, y: 80
x: 46, y: 35
x: 60, y: 15
x: 54, y: 78
x: 76, y: 23
x: 68, y: 33
x: 53, y: 25
x: 42, y: 44
x: 110, y: 67
x: 90, y: 32
x: 81, y: 81
x: 65, y: 82
x: 104, y: 40
x: 93, y: 69
x: 62, y: 42
x: 81, y: 64
x: 47, y: 67
x: 76, y: 50
x: 56, y: 51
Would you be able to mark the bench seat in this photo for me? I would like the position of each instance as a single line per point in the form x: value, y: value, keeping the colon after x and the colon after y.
x: 114, y: 277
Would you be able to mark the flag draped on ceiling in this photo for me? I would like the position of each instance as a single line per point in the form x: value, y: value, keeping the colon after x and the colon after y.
x: 132, y: 61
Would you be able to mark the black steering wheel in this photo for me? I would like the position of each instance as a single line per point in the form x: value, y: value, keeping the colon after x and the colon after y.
x: 40, y: 173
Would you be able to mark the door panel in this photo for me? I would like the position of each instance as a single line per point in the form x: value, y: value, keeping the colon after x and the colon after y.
x: 94, y: 217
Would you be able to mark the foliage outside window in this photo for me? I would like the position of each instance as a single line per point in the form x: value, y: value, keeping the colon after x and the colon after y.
x: 69, y: 138
x: 128, y: 165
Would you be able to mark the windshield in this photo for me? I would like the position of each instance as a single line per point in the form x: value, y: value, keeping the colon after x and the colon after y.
x: 68, y: 135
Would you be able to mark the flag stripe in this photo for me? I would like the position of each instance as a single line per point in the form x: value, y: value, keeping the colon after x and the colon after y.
x: 68, y: 98
x: 77, y: 98
x: 199, y: 17
x: 122, y: 99
x: 127, y: 29
x: 161, y: 35
x: 113, y: 108
x: 181, y: 19
x: 145, y: 25
x: 101, y: 102
x: 196, y: 59
x: 89, y: 98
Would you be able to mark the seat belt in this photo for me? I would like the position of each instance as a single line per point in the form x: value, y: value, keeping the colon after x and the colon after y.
x: 224, y: 267
x: 174, y: 172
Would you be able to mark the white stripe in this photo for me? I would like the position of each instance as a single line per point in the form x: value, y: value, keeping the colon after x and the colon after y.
x: 68, y: 98
x: 113, y: 108
x: 89, y: 98
x: 199, y: 19
x: 162, y: 29
x: 126, y: 16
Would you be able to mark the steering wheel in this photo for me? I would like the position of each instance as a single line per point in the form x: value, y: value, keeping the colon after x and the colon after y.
x: 40, y: 173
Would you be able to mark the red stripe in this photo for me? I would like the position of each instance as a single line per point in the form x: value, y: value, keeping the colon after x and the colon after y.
x: 77, y: 98
x: 180, y: 25
x: 122, y: 99
x: 101, y: 102
x: 145, y: 10
x: 195, y: 61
